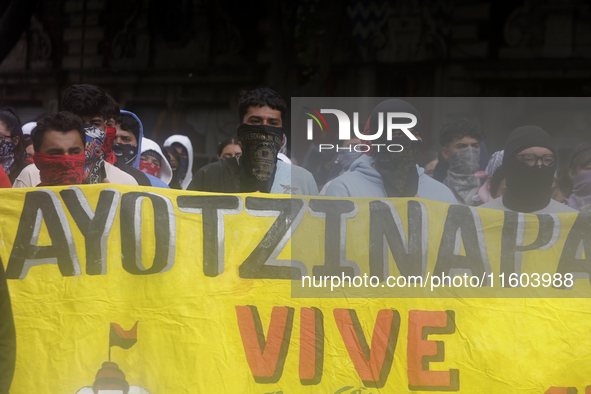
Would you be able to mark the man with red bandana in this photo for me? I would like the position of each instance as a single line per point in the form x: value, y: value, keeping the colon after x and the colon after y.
x: 59, y: 150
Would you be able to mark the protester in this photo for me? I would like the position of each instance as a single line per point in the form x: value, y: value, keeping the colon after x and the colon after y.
x: 152, y: 161
x: 485, y: 194
x: 183, y: 146
x: 579, y: 171
x: 90, y: 103
x: 174, y: 159
x: 261, y: 112
x: 229, y: 148
x: 59, y: 144
x: 7, y: 336
x: 59, y: 158
x: 12, y: 150
x: 390, y: 174
x: 93, y: 106
x: 460, y: 158
x: 129, y: 132
x: 529, y: 164
x: 429, y: 161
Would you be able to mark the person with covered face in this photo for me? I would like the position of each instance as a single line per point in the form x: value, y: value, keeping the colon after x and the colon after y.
x: 257, y: 169
x: 529, y: 163
x: 59, y: 151
x: 152, y: 161
x: 94, y: 107
x: 386, y: 173
x: 173, y: 158
x: 129, y: 133
x: 229, y: 148
x: 12, y: 149
x: 459, y: 158
x: 182, y: 144
x: 579, y: 171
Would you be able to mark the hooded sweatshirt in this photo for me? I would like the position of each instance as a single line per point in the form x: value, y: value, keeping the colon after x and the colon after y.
x: 165, y: 174
x: 142, y: 178
x: 397, y: 169
x: 186, y: 142
x: 364, y: 181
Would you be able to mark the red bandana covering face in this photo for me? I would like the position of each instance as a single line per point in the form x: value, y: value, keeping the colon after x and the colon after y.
x: 108, y: 145
x: 30, y: 161
x: 56, y: 170
x: 149, y: 168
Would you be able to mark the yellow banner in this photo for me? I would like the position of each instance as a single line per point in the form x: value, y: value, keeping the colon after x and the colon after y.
x: 146, y: 290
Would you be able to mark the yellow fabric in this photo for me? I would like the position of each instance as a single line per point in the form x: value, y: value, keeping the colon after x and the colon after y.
x: 502, y: 340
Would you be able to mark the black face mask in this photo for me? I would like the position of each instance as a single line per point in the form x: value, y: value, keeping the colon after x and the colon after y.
x: 125, y: 153
x: 260, y: 145
x: 398, y: 169
x: 529, y: 189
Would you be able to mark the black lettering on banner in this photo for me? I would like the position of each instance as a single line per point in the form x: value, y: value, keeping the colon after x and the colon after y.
x: 577, y: 242
x: 212, y: 209
x: 95, y: 226
x: 513, y: 235
x: 262, y: 263
x: 43, y: 205
x: 462, y: 225
x: 131, y: 233
x: 386, y: 231
x: 335, y: 214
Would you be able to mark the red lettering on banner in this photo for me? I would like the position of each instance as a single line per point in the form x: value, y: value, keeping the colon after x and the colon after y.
x: 311, y: 346
x: 372, y: 364
x: 265, y: 357
x: 420, y: 351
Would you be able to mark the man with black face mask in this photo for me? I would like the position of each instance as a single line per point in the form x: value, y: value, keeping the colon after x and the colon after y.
x: 261, y: 112
x: 126, y: 147
x: 385, y: 172
x: 529, y: 163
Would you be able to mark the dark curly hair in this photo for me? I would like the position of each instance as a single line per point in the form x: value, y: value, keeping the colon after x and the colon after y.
x: 129, y: 123
x: 87, y: 101
x: 459, y: 128
x: 260, y: 97
x: 61, y: 121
